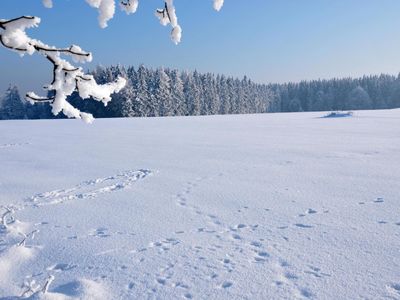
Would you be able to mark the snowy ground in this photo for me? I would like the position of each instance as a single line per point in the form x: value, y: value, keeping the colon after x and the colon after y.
x: 277, y: 206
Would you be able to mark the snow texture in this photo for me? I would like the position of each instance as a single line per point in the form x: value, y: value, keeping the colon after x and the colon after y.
x: 276, y: 206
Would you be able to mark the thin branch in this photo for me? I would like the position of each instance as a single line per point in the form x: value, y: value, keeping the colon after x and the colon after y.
x: 2, y: 23
x: 39, y: 99
x: 47, y: 284
x: 165, y: 11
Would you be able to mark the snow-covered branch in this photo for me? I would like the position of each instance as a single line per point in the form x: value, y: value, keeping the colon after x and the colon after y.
x: 166, y: 15
x: 66, y: 77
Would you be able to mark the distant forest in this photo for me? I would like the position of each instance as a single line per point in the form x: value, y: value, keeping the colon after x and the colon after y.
x: 167, y: 92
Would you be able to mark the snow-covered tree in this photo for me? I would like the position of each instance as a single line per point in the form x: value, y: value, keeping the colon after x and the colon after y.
x: 210, y: 94
x: 359, y: 99
x: 295, y: 105
x: 142, y: 100
x: 119, y: 106
x: 225, y: 105
x: 11, y: 106
x: 127, y: 96
x: 192, y: 95
x: 177, y: 94
x: 162, y: 94
x: 67, y: 78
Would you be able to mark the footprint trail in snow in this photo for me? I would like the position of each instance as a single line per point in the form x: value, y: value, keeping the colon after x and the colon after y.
x: 17, y: 239
x: 91, y: 188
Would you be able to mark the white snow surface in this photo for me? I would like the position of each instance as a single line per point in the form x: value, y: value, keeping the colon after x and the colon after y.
x: 274, y: 206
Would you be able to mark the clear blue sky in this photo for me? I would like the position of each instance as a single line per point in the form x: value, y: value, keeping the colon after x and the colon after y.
x: 268, y: 40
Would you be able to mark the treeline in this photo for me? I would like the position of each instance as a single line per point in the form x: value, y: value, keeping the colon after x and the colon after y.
x: 160, y: 92
x: 167, y: 92
x: 368, y: 92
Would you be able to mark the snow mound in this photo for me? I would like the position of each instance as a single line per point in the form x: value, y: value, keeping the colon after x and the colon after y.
x: 339, y: 114
x: 82, y: 289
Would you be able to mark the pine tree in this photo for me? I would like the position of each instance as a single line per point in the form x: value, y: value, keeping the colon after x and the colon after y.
x: 163, y: 94
x: 225, y: 106
x: 192, y: 95
x: 359, y: 99
x: 142, y: 100
x: 11, y: 105
x: 212, y: 96
x: 177, y: 94
x: 127, y: 96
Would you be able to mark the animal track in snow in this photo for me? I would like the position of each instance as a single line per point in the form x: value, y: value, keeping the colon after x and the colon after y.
x: 9, y: 145
x: 221, y: 248
x: 309, y: 211
x: 182, y: 198
x: 256, y: 244
x: 61, y: 267
x: 300, y: 225
x: 15, y: 235
x: 91, y: 188
x: 165, y: 245
x: 161, y: 281
x: 100, y: 232
x: 379, y: 200
x: 394, y: 288
x: 316, y: 272
x: 226, y: 284
x: 306, y: 293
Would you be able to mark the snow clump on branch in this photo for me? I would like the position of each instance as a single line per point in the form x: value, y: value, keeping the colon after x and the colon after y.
x: 167, y: 15
x: 218, y: 4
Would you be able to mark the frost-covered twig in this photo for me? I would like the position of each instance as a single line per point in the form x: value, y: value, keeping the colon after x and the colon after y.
x: 167, y: 15
x: 22, y: 243
x: 47, y: 284
x: 32, y: 288
x: 66, y: 78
